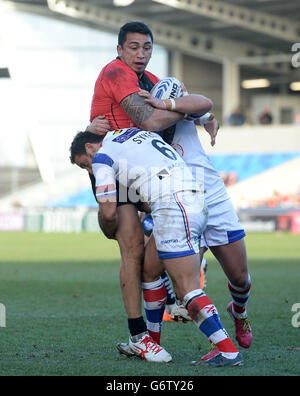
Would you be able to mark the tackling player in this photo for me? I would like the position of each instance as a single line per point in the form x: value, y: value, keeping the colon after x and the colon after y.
x: 176, y: 200
x: 224, y: 234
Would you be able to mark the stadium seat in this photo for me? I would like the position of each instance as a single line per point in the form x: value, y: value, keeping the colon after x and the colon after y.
x: 82, y: 198
x: 248, y: 165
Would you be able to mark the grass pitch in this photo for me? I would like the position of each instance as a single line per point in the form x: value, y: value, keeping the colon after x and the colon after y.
x: 65, y: 313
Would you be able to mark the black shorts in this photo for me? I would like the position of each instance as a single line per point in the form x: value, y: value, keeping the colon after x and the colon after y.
x: 137, y: 204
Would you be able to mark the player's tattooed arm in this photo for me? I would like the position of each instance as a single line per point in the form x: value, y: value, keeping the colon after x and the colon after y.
x: 146, y: 116
x: 136, y: 107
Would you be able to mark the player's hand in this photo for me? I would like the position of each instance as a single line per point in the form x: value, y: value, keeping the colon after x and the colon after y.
x: 155, y: 102
x: 178, y: 312
x: 99, y: 126
x: 212, y: 127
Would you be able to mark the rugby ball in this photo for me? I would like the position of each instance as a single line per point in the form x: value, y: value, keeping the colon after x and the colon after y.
x: 168, y: 88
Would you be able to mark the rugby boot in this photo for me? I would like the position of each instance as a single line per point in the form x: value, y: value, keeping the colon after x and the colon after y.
x: 243, y: 331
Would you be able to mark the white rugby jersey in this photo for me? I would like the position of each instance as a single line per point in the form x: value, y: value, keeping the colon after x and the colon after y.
x: 186, y: 143
x: 143, y: 162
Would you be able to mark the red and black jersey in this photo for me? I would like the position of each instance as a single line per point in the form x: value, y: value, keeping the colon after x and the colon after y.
x: 115, y: 82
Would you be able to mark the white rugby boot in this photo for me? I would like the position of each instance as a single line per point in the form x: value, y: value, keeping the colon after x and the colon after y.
x: 146, y: 348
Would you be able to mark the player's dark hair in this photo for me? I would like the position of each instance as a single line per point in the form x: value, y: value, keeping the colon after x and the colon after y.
x: 133, y: 27
x: 79, y: 142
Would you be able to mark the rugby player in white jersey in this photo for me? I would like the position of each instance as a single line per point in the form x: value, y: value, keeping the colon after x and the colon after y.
x: 224, y: 234
x: 143, y: 162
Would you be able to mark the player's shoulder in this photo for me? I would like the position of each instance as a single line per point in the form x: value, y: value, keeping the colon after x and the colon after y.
x: 115, y: 67
x: 103, y: 156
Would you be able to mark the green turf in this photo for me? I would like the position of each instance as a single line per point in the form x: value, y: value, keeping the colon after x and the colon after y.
x: 65, y: 313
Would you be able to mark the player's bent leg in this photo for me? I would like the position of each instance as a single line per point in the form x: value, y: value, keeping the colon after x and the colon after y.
x: 177, y: 228
x: 152, y: 272
x: 184, y: 274
x: 233, y: 260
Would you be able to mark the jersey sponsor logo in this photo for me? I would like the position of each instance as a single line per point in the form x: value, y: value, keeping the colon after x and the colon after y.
x: 169, y: 241
x: 129, y: 133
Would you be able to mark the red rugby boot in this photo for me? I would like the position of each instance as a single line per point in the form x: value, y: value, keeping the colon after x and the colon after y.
x: 243, y: 331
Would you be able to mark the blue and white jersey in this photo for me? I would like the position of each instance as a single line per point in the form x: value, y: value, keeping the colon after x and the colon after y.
x: 143, y: 162
x: 186, y: 143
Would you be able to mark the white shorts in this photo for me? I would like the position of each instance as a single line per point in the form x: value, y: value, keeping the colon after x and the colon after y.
x: 223, y: 225
x: 178, y: 224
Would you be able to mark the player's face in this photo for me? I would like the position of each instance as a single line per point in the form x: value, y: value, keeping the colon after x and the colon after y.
x: 136, y: 51
x: 84, y: 161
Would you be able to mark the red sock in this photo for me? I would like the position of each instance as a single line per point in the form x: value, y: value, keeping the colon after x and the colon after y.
x: 240, y: 297
x: 155, y: 296
x: 205, y: 316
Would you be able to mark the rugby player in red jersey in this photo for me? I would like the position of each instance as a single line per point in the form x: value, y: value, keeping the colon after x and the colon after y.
x: 116, y: 98
x: 137, y: 109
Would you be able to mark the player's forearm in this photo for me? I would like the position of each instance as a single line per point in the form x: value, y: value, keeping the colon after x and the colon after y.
x: 161, y: 119
x: 148, y: 117
x: 192, y: 104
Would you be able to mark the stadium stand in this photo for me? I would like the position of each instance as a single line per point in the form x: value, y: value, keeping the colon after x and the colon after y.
x: 83, y: 197
x: 12, y: 179
x: 256, y: 191
x: 248, y: 165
